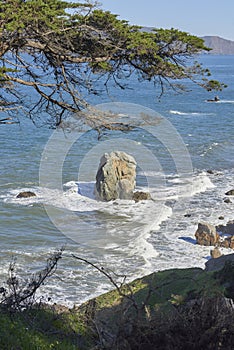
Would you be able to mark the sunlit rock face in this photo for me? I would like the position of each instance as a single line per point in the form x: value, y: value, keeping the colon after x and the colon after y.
x: 116, y: 176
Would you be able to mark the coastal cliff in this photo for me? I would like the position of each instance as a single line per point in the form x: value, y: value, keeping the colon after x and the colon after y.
x: 172, y: 309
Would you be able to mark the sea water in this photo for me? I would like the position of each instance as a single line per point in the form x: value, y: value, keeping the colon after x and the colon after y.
x: 190, y: 136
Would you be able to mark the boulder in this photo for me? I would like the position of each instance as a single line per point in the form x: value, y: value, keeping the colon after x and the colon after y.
x: 215, y: 253
x: 206, y: 234
x: 26, y: 194
x: 227, y: 242
x: 220, y: 236
x: 141, y: 196
x: 227, y: 200
x: 230, y: 193
x: 116, y: 176
x: 218, y: 264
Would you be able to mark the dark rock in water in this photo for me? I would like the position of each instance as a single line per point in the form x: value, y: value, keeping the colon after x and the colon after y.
x: 141, y: 196
x: 227, y: 229
x: 218, y: 264
x: 221, y: 217
x: 210, y: 172
x: 230, y: 193
x: 206, y: 234
x: 187, y: 215
x: 227, y: 200
x: 116, y: 176
x: 26, y: 194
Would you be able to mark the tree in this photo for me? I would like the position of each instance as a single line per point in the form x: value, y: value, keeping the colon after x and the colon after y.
x: 53, y: 52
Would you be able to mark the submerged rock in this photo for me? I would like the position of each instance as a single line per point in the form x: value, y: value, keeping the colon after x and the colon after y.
x: 26, y: 194
x: 116, y: 176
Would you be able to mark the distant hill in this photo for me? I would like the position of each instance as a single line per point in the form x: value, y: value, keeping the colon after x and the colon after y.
x: 219, y: 45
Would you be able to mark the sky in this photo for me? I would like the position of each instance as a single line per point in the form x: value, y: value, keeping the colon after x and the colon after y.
x: 197, y: 17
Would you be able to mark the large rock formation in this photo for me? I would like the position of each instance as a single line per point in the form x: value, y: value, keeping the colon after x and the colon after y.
x: 116, y: 176
x: 220, y: 236
x: 206, y: 234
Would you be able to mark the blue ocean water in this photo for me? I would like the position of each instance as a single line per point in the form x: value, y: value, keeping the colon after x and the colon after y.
x: 189, y: 137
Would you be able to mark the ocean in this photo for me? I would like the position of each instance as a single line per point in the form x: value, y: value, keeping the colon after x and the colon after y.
x: 175, y: 141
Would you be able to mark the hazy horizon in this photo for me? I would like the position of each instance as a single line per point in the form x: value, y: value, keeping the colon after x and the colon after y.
x: 208, y: 17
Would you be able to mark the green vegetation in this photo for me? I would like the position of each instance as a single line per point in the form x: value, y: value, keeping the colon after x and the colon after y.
x: 52, y: 54
x: 170, y: 309
x: 43, y: 329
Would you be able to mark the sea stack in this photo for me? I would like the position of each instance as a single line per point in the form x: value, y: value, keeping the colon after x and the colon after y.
x: 116, y: 176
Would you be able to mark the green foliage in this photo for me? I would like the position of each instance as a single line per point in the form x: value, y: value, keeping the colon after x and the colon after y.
x: 211, y: 85
x: 53, y: 48
x: 3, y: 71
x: 149, y: 309
x: 18, y: 15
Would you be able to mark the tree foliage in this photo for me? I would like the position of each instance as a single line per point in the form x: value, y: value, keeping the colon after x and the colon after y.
x: 53, y: 52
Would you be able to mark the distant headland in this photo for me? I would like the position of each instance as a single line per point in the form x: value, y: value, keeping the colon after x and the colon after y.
x: 219, y: 46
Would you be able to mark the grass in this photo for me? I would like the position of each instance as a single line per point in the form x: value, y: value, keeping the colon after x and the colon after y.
x: 47, y: 327
x: 43, y: 329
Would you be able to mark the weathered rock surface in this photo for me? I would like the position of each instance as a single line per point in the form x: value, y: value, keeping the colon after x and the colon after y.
x: 220, y: 236
x: 206, y: 234
x: 26, y: 194
x: 116, y: 176
x: 141, y: 196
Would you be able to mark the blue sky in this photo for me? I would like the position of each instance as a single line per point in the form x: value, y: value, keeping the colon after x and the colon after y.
x: 199, y: 17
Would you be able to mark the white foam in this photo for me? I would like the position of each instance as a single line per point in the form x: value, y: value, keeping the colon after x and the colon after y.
x: 182, y: 187
x: 226, y: 101
x: 189, y: 113
x: 137, y: 238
